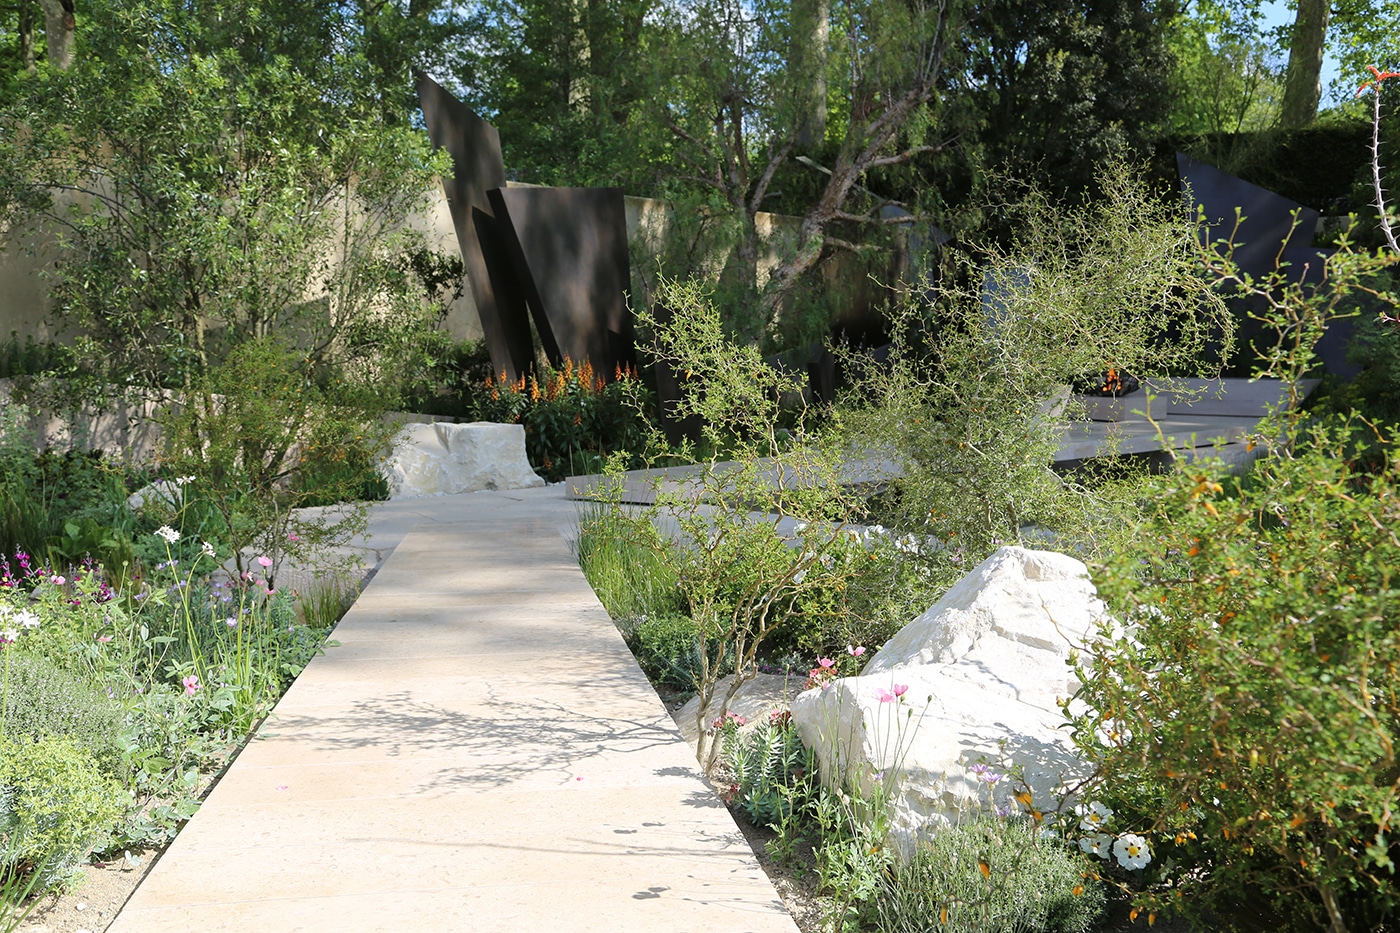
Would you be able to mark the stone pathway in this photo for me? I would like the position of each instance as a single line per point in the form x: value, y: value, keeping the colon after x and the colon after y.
x: 480, y: 752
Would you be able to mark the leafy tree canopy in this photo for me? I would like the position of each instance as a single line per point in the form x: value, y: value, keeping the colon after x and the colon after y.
x: 219, y: 171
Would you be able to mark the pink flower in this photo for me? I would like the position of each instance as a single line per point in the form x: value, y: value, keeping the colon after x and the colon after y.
x: 856, y: 651
x: 825, y: 662
x: 264, y: 561
x: 58, y: 581
x: 103, y: 639
x: 293, y: 537
x: 887, y: 696
x: 191, y: 683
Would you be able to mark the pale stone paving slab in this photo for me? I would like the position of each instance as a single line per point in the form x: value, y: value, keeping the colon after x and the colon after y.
x: 481, y: 752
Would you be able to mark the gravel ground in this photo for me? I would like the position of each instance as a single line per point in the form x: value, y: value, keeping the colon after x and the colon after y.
x: 92, y: 907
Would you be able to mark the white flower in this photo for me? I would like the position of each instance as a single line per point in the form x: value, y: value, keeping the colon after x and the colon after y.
x: 169, y: 534
x: 183, y: 480
x: 1131, y: 851
x: 1095, y: 816
x: 9, y: 637
x: 207, y: 549
x: 27, y: 619
x: 1097, y: 844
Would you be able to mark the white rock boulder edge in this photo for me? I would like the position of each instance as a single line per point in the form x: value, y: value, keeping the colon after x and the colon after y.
x: 979, y: 677
x: 755, y: 700
x: 442, y: 459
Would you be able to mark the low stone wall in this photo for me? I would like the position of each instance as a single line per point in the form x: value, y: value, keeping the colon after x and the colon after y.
x: 127, y: 432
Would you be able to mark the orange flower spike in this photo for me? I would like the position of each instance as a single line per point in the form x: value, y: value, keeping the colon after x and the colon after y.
x: 568, y: 369
x: 534, y: 389
x: 599, y: 386
x: 585, y: 374
x: 617, y: 372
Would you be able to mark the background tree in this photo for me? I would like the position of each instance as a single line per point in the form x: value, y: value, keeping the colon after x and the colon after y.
x: 1302, y: 90
x: 564, y: 83
x: 1061, y: 88
x: 738, y: 112
x: 1225, y: 75
x: 215, y: 175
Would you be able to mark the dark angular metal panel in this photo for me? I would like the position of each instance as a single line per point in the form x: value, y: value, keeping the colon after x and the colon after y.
x: 477, y: 167
x: 1268, y: 217
x: 1260, y: 245
x: 668, y: 394
x: 569, y: 250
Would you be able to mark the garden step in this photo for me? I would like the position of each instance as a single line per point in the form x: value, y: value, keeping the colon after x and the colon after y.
x: 479, y: 752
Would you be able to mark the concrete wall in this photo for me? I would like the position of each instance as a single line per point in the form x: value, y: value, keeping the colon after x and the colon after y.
x: 24, y: 303
x: 127, y: 433
x: 27, y: 252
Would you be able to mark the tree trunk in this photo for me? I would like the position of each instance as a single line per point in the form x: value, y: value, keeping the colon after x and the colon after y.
x: 58, y: 31
x: 811, y: 29
x: 26, y: 35
x: 1303, y: 86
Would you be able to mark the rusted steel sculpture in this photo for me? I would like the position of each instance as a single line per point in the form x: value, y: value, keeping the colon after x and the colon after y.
x: 477, y: 167
x: 568, y: 247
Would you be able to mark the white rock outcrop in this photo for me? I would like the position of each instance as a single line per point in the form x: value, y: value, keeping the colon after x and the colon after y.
x: 976, y: 679
x: 165, y: 493
x: 442, y: 459
x: 754, y: 700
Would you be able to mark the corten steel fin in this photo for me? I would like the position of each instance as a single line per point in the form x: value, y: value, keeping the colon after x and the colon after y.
x: 477, y: 167
x: 568, y: 247
x: 1265, y: 236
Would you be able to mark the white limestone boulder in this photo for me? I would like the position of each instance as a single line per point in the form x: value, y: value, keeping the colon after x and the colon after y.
x: 976, y: 679
x: 754, y: 700
x: 442, y: 459
x: 163, y: 493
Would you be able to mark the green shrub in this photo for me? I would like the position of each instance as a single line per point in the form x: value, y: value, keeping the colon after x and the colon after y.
x: 1243, y: 711
x: 55, y: 808
x: 1029, y: 883
x: 58, y: 505
x: 668, y: 649
x: 1249, y: 715
x: 31, y: 358
x: 43, y: 700
x: 456, y: 381
x: 259, y: 437
x: 964, y: 408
